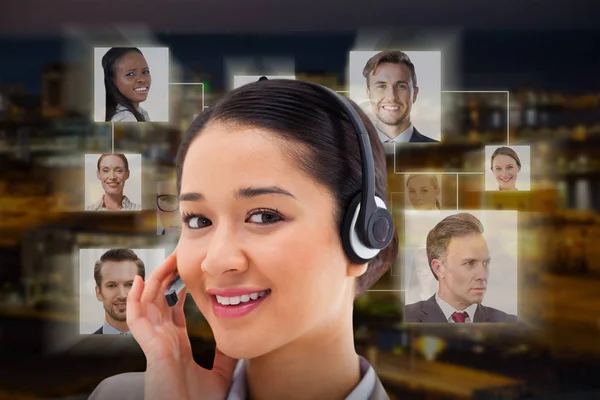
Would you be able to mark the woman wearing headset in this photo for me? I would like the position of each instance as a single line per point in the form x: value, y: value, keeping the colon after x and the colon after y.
x: 127, y: 83
x: 264, y: 254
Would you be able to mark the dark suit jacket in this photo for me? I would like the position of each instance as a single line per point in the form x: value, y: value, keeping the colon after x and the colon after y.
x: 98, y: 332
x: 417, y: 137
x: 430, y: 311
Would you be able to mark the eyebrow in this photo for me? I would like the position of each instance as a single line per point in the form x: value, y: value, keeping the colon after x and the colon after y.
x: 376, y: 82
x: 109, y: 282
x: 244, y: 193
x: 469, y: 259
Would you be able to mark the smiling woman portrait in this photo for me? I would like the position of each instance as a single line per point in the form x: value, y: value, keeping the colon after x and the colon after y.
x: 506, y: 165
x: 113, y: 171
x: 265, y: 179
x: 127, y: 82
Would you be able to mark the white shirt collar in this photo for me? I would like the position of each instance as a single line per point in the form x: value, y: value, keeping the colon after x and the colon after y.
x: 126, y: 204
x: 362, y: 391
x: 108, y: 329
x: 448, y: 310
x: 404, y: 137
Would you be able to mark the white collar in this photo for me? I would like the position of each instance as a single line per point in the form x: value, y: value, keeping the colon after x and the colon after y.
x: 362, y: 391
x: 448, y: 310
x: 403, y: 137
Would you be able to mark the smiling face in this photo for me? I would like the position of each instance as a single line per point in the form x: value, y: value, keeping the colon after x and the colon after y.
x: 505, y: 169
x: 112, y: 173
x: 463, y: 274
x: 132, y: 77
x: 391, y: 93
x: 260, y: 234
x: 422, y: 194
x: 117, y: 280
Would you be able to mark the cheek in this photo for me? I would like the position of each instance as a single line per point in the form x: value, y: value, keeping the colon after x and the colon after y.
x: 123, y: 84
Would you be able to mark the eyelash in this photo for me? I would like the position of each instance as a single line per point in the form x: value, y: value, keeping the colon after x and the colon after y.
x: 187, y: 217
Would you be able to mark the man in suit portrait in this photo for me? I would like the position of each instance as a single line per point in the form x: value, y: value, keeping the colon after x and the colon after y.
x: 459, y: 259
x: 392, y: 90
x: 114, y: 273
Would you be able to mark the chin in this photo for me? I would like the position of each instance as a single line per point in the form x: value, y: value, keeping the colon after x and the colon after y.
x: 239, y: 347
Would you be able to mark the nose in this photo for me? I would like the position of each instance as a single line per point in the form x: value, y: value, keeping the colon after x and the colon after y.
x: 111, y: 175
x: 481, y: 273
x: 390, y: 92
x: 224, y: 254
x: 122, y: 292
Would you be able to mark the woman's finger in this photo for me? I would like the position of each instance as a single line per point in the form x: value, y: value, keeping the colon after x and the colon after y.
x: 134, y: 310
x: 158, y: 277
x: 178, y: 312
x: 167, y: 267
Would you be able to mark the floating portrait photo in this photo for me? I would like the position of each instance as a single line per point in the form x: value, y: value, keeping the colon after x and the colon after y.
x: 167, y: 208
x: 400, y: 91
x: 240, y: 80
x: 131, y: 84
x: 113, y: 182
x: 423, y: 191
x: 507, y: 168
x: 105, y: 278
x: 460, y: 261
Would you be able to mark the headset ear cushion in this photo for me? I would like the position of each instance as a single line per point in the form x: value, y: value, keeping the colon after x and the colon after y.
x: 355, y: 249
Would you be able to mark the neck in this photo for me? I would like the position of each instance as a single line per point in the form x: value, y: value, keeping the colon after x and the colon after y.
x: 296, y: 371
x: 449, y: 298
x: 393, y: 131
x: 121, y: 326
x: 513, y: 187
x: 113, y: 201
x: 136, y: 106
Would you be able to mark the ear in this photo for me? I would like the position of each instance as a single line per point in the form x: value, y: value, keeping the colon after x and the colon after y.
x: 127, y: 175
x: 356, y: 270
x: 438, y: 268
x: 99, y: 294
x: 368, y: 90
x: 98, y: 174
x: 415, y: 94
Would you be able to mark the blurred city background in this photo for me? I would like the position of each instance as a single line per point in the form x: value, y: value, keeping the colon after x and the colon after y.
x: 554, y: 106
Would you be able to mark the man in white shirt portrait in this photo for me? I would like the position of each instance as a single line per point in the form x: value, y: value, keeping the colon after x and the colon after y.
x: 459, y: 259
x: 392, y: 90
x: 114, y: 273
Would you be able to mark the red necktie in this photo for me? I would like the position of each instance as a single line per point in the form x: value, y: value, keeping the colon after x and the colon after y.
x: 459, y: 317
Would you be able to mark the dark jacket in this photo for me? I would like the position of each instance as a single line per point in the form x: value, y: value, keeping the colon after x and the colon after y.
x: 417, y: 137
x: 430, y: 311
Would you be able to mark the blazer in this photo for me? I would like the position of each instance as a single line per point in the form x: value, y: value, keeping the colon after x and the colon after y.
x: 130, y: 386
x: 417, y: 137
x: 99, y: 331
x: 429, y: 311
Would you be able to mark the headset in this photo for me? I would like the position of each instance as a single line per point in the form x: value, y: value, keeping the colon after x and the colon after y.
x: 368, y: 226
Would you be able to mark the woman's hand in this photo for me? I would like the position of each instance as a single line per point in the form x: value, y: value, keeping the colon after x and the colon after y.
x: 161, y: 332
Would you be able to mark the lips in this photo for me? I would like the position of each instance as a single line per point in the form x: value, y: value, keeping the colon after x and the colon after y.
x: 141, y: 89
x: 390, y: 107
x: 237, y: 302
x: 120, y: 306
